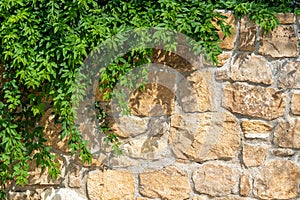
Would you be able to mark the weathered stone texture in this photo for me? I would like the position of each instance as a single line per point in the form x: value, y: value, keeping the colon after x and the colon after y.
x: 205, y: 136
x: 169, y: 183
x: 251, y: 68
x: 286, y: 18
x: 256, y: 128
x: 110, y: 184
x: 289, y: 75
x: 61, y: 194
x: 283, y: 152
x: 245, y: 184
x: 196, y: 92
x: 277, y: 180
x: 215, y: 180
x: 295, y: 105
x: 279, y: 43
x: 254, y: 155
x: 228, y: 42
x: 247, y: 34
x: 254, y: 101
x: 287, y: 133
x: 223, y: 58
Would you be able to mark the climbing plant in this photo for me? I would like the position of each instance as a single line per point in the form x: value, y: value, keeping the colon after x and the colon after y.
x: 44, y: 43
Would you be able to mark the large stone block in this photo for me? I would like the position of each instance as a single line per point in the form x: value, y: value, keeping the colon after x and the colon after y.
x: 295, y: 105
x: 279, y: 43
x: 247, y: 34
x: 110, y: 184
x: 215, y: 180
x: 287, y: 133
x: 251, y: 68
x: 256, y: 128
x: 206, y: 136
x: 277, y: 180
x: 253, y: 155
x: 169, y: 183
x: 289, y: 75
x: 254, y: 101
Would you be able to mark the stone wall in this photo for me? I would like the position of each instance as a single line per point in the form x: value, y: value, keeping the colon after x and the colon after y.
x: 198, y: 132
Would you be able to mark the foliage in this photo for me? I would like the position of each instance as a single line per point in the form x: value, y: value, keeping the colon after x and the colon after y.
x: 44, y: 43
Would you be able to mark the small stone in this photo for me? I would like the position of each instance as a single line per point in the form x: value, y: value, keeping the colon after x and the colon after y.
x: 283, y: 152
x: 196, y: 92
x: 253, y: 155
x: 256, y: 129
x: 247, y: 34
x: 279, y: 43
x: 228, y: 42
x: 277, y: 180
x: 251, y: 68
x: 223, y: 58
x: 286, y: 18
x: 110, y: 184
x: 245, y: 184
x: 204, y: 136
x: 295, y: 105
x: 254, y: 101
x: 169, y: 183
x: 287, y: 133
x: 215, y: 180
x: 222, y: 75
x: 289, y: 75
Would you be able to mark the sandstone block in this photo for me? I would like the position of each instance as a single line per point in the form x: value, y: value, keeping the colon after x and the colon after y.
x: 283, y: 152
x: 223, y: 58
x: 251, y: 68
x: 247, y: 34
x: 287, y: 133
x: 256, y: 128
x: 279, y: 43
x: 253, y: 155
x: 254, y: 101
x: 205, y: 136
x: 228, y: 42
x: 245, y: 184
x: 169, y: 183
x: 196, y: 92
x: 110, y: 184
x: 215, y: 180
x: 289, y: 75
x: 295, y: 105
x: 277, y: 180
x: 286, y: 18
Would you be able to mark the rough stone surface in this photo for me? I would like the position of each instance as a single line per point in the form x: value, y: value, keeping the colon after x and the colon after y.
x: 283, y: 152
x: 245, y: 184
x: 287, y: 133
x: 254, y: 101
x: 289, y: 75
x: 256, y: 128
x: 295, y: 106
x: 277, y: 180
x: 205, y: 136
x: 169, y: 183
x: 254, y: 155
x: 61, y: 194
x: 286, y: 18
x: 110, y: 184
x: 223, y: 58
x: 27, y: 195
x: 228, y: 197
x: 281, y: 42
x: 247, y: 34
x: 228, y: 42
x: 251, y: 68
x: 215, y: 180
x: 196, y: 92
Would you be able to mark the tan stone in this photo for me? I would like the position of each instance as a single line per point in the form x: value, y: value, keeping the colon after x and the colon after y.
x: 287, y: 133
x: 222, y: 75
x: 277, y: 180
x: 279, y: 43
x: 27, y: 195
x: 196, y: 92
x: 169, y: 183
x: 110, y: 184
x: 223, y: 58
x: 228, y: 42
x: 228, y: 197
x: 256, y: 128
x: 283, y: 152
x: 286, y: 18
x: 245, y: 184
x: 295, y: 105
x: 251, y: 68
x: 247, y: 34
x: 289, y: 75
x: 253, y: 155
x: 75, y: 178
x: 254, y: 101
x: 205, y: 136
x: 215, y: 180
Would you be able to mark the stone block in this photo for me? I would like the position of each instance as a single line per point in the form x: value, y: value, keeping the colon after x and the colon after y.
x: 295, y: 104
x: 286, y: 18
x: 256, y: 128
x: 254, y: 155
x: 289, y: 75
x: 247, y: 34
x: 245, y: 184
x: 287, y: 133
